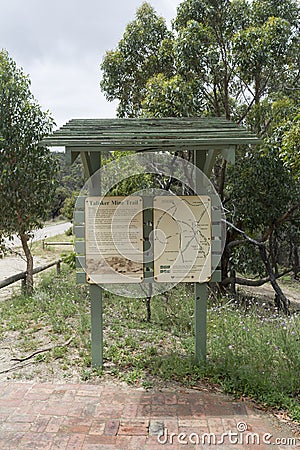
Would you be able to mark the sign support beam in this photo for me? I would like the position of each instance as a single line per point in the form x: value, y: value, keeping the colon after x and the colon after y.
x: 93, y: 161
x: 200, y: 289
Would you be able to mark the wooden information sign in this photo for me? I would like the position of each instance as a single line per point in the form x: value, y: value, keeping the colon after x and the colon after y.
x: 114, y: 239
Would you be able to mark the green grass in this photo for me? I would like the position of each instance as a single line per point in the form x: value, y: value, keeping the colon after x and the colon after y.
x: 252, y: 351
x: 256, y: 353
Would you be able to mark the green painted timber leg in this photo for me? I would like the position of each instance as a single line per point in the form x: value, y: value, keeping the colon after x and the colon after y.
x: 92, y: 164
x: 200, y: 289
x: 200, y: 322
x: 96, y: 325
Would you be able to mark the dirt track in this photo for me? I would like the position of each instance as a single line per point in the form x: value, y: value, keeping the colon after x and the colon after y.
x: 11, y: 265
x: 266, y: 292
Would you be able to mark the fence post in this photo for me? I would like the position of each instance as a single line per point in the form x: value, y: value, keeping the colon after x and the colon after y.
x: 58, y: 268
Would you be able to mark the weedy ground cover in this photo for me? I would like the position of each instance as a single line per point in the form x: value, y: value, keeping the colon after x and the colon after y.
x: 252, y: 351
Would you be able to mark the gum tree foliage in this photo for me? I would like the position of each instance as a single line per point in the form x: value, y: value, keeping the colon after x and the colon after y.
x: 263, y: 191
x: 290, y: 148
x: 135, y: 60
x: 70, y: 180
x: 27, y: 170
x: 227, y: 55
x: 232, y: 58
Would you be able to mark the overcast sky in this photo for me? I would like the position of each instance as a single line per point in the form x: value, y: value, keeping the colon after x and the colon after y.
x: 60, y: 45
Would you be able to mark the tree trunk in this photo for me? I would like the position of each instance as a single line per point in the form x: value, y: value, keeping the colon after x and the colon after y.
x: 233, y: 284
x: 296, y: 263
x: 225, y: 259
x: 281, y: 301
x: 222, y: 180
x: 29, y: 263
x: 148, y: 302
x: 273, y: 249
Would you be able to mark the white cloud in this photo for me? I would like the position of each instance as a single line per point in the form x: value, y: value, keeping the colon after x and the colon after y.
x: 72, y: 90
x: 61, y: 43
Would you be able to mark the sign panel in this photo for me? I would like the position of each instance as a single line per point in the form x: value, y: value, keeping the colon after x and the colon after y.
x: 114, y: 239
x: 182, y: 239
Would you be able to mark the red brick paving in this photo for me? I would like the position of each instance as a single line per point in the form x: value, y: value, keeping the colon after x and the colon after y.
x: 108, y: 416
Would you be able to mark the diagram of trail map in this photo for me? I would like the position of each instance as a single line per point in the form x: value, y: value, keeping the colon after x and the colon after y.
x: 114, y: 239
x: 182, y: 239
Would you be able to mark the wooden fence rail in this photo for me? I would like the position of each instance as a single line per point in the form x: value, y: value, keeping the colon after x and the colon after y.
x: 22, y: 275
x: 45, y: 244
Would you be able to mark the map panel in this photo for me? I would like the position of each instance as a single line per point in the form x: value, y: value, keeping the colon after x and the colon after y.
x: 182, y: 238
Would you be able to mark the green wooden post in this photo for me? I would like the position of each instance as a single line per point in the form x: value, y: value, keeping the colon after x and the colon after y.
x: 95, y: 290
x: 96, y: 325
x: 200, y: 312
x: 147, y: 229
x: 200, y: 289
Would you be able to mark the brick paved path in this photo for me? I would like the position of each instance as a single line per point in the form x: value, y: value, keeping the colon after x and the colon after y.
x: 108, y: 416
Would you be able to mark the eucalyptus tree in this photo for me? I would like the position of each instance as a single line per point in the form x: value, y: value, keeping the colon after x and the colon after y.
x: 26, y: 169
x: 232, y: 58
x: 136, y: 58
x: 222, y: 56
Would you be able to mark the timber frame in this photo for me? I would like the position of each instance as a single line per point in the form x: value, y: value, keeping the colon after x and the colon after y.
x: 89, y: 138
